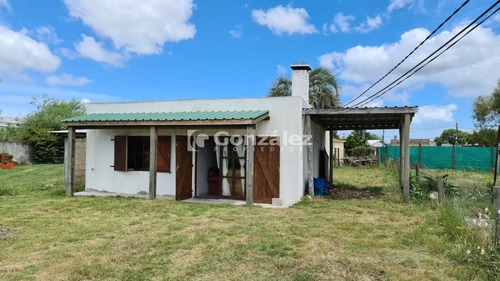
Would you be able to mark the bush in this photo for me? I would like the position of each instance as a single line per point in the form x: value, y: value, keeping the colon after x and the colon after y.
x: 361, y: 151
x: 35, y: 128
x: 419, y: 191
x: 45, y: 145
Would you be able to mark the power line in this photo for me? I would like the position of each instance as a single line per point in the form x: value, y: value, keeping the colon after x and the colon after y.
x: 387, y: 89
x: 407, y: 56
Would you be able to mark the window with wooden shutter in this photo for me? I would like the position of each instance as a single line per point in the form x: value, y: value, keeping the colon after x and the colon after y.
x: 120, y: 153
x: 163, y: 156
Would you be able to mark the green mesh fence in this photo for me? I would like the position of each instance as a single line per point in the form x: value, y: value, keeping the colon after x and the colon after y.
x: 441, y: 157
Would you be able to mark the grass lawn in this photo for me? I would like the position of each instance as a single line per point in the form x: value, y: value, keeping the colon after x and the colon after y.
x: 47, y: 236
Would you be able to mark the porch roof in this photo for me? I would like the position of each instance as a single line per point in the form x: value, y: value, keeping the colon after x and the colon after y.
x: 367, y: 118
x: 240, y: 117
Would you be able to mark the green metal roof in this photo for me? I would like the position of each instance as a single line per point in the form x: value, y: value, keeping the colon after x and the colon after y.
x: 171, y: 116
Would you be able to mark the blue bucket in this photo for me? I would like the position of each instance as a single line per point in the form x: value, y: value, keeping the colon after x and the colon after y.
x: 319, y: 186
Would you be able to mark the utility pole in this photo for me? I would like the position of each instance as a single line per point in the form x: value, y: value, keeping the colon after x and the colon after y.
x: 456, y: 136
x: 383, y: 136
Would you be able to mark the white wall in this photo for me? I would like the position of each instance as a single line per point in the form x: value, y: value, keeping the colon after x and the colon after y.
x: 285, y: 120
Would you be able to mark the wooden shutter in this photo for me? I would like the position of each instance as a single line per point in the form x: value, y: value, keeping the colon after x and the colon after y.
x: 163, y: 156
x: 121, y: 153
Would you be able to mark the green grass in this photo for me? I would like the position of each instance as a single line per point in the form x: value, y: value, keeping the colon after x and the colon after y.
x: 48, y: 236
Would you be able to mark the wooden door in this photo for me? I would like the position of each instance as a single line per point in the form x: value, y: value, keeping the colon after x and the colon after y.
x: 266, y: 170
x: 183, y: 170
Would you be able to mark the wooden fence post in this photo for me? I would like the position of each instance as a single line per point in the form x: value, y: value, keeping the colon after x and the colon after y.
x: 417, y: 171
x: 420, y: 154
x: 440, y: 189
x: 379, y: 157
x: 497, y: 160
x: 492, y: 168
x: 386, y: 158
x: 496, y: 205
x: 453, y: 158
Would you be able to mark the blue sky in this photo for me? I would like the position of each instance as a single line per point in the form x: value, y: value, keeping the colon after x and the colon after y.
x: 98, y: 50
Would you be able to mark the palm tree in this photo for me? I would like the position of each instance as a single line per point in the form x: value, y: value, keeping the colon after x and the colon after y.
x: 323, y: 88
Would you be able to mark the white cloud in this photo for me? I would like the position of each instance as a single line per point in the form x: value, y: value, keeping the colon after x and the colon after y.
x: 398, y: 4
x: 496, y: 18
x: 281, y: 70
x: 343, y: 22
x: 19, y: 52
x: 141, y: 27
x: 237, y: 32
x: 5, y: 3
x: 468, y: 69
x: 435, y: 114
x: 282, y: 19
x: 47, y: 34
x: 16, y: 97
x: 89, y: 48
x: 370, y: 24
x: 67, y: 79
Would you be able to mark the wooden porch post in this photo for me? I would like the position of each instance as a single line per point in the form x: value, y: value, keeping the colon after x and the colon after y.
x: 405, y: 158
x: 401, y: 145
x: 308, y: 132
x: 332, y: 157
x: 250, y: 139
x: 153, y: 149
x: 69, y: 163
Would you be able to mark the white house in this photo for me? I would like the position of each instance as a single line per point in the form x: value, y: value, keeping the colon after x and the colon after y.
x: 262, y: 150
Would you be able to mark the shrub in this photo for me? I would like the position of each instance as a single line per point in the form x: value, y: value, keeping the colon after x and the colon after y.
x: 361, y: 151
x: 419, y: 191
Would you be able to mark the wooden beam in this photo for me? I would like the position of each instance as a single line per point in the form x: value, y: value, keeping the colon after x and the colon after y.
x: 406, y: 158
x: 310, y: 179
x: 69, y: 163
x: 250, y: 143
x: 368, y: 110
x: 153, y: 151
x: 332, y: 156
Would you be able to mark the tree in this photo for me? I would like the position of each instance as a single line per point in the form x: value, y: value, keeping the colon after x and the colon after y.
x: 450, y: 137
x: 323, y: 88
x: 358, y: 138
x: 35, y: 128
x: 486, y: 109
x: 484, y: 137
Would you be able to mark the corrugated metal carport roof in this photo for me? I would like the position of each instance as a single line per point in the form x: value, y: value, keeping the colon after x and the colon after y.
x: 367, y: 118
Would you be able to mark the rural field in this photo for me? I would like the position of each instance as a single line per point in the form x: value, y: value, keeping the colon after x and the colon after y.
x: 47, y: 236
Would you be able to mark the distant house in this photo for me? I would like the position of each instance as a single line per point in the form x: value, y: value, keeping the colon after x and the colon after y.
x: 262, y: 150
x: 414, y: 142
x: 374, y: 143
x: 6, y: 121
x: 339, y: 151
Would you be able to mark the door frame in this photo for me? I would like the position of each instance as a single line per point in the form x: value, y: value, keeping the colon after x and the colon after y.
x: 179, y: 195
x: 221, y: 171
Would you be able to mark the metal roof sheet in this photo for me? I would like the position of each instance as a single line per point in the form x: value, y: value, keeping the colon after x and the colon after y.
x: 171, y: 116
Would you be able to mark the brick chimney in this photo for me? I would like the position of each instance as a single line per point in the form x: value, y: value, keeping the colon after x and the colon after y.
x: 300, y: 81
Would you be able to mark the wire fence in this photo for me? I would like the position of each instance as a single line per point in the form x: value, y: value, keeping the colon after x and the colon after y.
x: 446, y: 157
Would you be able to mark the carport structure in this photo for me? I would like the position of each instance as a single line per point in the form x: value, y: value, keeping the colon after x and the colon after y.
x: 374, y: 118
